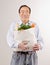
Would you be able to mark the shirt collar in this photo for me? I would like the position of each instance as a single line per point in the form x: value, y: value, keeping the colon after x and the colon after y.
x: 20, y: 22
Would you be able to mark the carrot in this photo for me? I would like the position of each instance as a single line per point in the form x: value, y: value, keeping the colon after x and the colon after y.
x: 33, y: 25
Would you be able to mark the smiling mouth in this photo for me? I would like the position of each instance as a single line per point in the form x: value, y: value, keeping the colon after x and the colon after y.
x: 25, y: 17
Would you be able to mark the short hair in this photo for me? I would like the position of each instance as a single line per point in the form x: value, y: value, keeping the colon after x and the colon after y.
x: 24, y: 6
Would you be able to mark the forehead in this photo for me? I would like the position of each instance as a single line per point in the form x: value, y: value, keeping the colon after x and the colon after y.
x: 24, y: 8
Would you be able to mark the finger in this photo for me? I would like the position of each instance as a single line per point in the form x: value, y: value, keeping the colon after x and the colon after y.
x: 35, y: 48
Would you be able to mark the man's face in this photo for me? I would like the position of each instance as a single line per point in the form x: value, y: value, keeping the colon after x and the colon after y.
x: 24, y: 14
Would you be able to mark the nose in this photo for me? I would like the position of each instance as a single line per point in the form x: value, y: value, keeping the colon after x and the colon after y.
x: 25, y: 13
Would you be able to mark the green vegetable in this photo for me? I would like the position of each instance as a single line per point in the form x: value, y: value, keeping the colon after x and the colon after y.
x: 23, y: 26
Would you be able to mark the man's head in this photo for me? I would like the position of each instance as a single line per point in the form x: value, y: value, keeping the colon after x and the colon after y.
x: 24, y: 12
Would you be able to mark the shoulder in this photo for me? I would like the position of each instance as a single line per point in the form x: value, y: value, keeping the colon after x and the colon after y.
x: 32, y: 22
x: 12, y: 25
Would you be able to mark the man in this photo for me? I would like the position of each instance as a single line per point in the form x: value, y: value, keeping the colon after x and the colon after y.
x: 29, y: 57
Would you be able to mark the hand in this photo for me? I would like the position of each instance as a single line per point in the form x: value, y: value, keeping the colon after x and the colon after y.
x: 36, y: 47
x: 23, y: 45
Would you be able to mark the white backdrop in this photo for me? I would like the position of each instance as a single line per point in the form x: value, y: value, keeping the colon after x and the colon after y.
x: 40, y: 14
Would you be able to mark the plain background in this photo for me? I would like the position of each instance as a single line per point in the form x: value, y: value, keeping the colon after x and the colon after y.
x: 40, y: 14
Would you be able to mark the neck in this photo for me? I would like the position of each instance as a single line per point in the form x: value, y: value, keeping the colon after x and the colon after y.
x: 24, y: 22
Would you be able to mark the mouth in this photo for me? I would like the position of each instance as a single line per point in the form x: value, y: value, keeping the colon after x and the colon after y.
x: 25, y: 17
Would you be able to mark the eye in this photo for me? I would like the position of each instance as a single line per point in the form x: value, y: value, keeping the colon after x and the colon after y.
x: 21, y: 11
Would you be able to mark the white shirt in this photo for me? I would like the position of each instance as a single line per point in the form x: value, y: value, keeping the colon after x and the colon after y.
x: 10, y: 35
